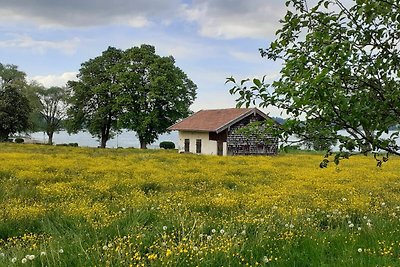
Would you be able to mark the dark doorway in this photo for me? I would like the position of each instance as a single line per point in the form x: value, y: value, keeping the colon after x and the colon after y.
x: 220, y: 148
x: 187, y: 145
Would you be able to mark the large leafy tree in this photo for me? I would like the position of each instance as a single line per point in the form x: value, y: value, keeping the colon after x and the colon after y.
x: 340, y: 71
x: 156, y: 93
x: 94, y: 100
x: 53, y: 109
x: 14, y: 105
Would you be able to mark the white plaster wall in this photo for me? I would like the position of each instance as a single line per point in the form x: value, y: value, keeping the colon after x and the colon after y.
x: 208, y: 147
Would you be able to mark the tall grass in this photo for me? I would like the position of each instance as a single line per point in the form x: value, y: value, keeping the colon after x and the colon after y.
x: 62, y: 206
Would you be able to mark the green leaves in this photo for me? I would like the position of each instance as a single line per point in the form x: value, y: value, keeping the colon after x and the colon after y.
x: 340, y: 68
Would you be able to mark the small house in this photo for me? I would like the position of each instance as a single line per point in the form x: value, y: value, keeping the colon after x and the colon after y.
x: 214, y: 132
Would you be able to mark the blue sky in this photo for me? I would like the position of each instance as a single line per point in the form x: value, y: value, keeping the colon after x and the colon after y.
x: 210, y: 39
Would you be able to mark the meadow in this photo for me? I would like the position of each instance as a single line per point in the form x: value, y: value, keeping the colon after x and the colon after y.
x: 63, y: 206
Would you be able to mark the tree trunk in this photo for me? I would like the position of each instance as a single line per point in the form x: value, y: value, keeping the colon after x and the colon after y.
x: 143, y: 144
x: 50, y: 135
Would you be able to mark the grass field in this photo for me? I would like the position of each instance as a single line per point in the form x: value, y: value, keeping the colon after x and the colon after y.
x: 64, y: 206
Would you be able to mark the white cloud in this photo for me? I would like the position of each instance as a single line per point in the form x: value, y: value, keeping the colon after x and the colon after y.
x: 55, y: 80
x: 229, y: 19
x: 138, y: 22
x: 40, y: 46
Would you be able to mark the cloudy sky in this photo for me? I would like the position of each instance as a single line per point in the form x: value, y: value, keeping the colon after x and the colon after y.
x: 210, y: 39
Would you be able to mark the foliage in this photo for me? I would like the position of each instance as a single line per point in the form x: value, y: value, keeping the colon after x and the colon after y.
x: 88, y: 207
x: 340, y: 71
x: 135, y: 89
x: 156, y: 93
x: 94, y: 101
x: 14, y: 106
x: 167, y: 145
x: 53, y: 109
x: 19, y: 140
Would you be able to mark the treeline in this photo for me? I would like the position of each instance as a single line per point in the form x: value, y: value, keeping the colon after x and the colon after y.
x: 133, y: 89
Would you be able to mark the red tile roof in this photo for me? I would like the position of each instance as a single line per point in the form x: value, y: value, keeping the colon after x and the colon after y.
x: 213, y: 120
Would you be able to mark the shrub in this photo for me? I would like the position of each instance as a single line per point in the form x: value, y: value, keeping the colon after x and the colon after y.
x: 19, y: 140
x: 167, y: 145
x: 73, y: 144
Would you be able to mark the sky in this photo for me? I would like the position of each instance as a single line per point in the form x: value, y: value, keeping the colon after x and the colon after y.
x: 209, y: 39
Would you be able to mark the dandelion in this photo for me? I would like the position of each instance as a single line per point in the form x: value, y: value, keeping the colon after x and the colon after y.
x: 344, y: 199
x: 383, y: 204
x: 14, y: 260
x: 265, y: 259
x: 351, y: 225
x: 222, y: 231
x: 105, y: 247
x: 30, y: 257
x: 209, y: 237
x: 308, y: 219
x: 60, y: 250
x: 165, y: 228
x: 359, y: 228
x: 123, y: 209
x: 243, y: 232
x: 24, y: 260
x: 2, y: 254
x: 291, y: 226
x: 43, y: 253
x: 213, y: 231
x: 359, y: 250
x: 110, y: 245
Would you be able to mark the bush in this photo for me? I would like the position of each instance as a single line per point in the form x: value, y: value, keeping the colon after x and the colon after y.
x: 19, y: 140
x: 167, y: 145
x: 73, y: 144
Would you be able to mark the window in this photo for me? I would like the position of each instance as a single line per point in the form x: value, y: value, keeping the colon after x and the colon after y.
x: 187, y: 145
x: 198, y: 146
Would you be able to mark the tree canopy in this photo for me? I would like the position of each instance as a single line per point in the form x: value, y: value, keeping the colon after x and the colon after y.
x: 340, y: 71
x: 134, y: 89
x: 94, y: 100
x: 53, y: 109
x: 156, y: 93
x: 14, y: 105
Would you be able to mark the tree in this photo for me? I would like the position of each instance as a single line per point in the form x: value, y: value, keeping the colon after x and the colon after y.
x: 94, y: 100
x: 156, y: 93
x: 14, y: 106
x: 53, y: 110
x: 341, y: 71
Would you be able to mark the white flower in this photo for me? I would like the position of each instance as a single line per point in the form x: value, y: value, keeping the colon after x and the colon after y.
x: 243, y: 232
x: 2, y: 254
x: 308, y: 219
x: 359, y: 228
x: 344, y: 199
x: 222, y: 231
x: 195, y: 248
x: 201, y: 235
x: 213, y: 231
x: 110, y: 245
x: 30, y: 257
x: 265, y: 259
x: 365, y: 217
x: 369, y: 224
x: 164, y: 228
x: 383, y: 204
x: 359, y: 250
x: 208, y: 237
x: 61, y: 250
x: 105, y: 247
x: 351, y: 225
x: 123, y: 209
x: 291, y: 226
x: 13, y: 260
x: 43, y: 253
x: 24, y: 260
